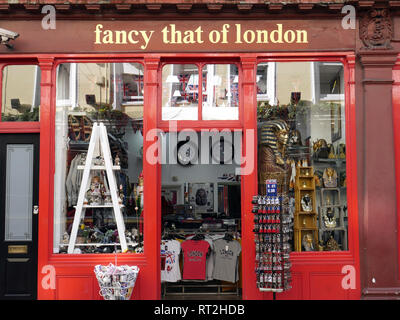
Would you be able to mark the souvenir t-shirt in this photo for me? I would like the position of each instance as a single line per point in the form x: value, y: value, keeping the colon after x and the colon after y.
x: 170, y: 270
x: 194, y: 259
x: 226, y: 260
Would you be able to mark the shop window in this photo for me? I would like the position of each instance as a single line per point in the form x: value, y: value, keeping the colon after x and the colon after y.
x: 220, y: 92
x: 201, y: 212
x: 302, y: 145
x: 98, y: 182
x: 182, y: 94
x: 20, y: 93
x: 265, y: 82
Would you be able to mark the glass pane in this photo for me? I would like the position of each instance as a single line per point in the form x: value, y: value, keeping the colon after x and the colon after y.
x: 110, y: 94
x: 302, y: 145
x: 265, y: 82
x: 201, y: 207
x: 20, y: 93
x: 180, y: 86
x: 19, y: 188
x: 220, y: 92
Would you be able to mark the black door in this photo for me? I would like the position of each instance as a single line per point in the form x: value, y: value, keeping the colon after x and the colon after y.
x: 19, y: 182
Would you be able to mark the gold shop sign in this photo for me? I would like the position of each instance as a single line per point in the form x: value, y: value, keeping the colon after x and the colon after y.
x: 190, y: 35
x: 14, y: 249
x: 225, y: 34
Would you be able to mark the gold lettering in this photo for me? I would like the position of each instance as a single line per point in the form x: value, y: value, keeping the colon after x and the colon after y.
x: 216, y: 38
x: 176, y: 35
x: 199, y: 31
x: 262, y: 36
x: 225, y: 28
x: 277, y: 32
x: 292, y: 37
x: 165, y: 34
x: 302, y: 36
x: 130, y: 39
x: 146, y: 38
x: 118, y: 37
x: 238, y: 33
x: 108, y: 37
x: 246, y: 36
x: 97, y: 31
x: 188, y: 37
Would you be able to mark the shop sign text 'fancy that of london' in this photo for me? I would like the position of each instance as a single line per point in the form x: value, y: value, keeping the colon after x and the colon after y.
x: 227, y: 34
x: 89, y: 36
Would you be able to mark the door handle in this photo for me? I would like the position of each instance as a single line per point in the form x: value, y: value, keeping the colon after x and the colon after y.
x: 35, y: 209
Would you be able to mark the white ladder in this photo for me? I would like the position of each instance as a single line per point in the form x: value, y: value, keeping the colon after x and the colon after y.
x: 98, y: 138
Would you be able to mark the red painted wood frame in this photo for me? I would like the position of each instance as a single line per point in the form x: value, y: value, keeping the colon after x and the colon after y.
x: 315, y: 275
x: 15, y: 126
x: 396, y: 129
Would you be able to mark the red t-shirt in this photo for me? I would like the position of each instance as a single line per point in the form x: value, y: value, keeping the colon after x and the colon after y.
x: 194, y: 259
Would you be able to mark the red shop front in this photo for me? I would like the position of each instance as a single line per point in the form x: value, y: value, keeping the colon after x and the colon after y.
x: 144, y: 82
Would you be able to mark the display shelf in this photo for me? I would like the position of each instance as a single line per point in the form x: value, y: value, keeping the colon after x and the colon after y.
x: 95, y: 167
x: 338, y: 216
x: 321, y: 160
x: 99, y: 139
x: 100, y: 206
x: 132, y: 244
x: 302, y: 226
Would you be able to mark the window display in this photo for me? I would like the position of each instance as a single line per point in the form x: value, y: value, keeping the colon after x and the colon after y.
x: 20, y: 93
x: 98, y: 202
x: 201, y: 210
x: 301, y: 144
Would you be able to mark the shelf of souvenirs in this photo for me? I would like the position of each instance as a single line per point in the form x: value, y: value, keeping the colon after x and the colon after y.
x: 98, y: 167
x: 100, y: 206
x: 108, y: 220
x: 329, y: 160
x: 97, y: 244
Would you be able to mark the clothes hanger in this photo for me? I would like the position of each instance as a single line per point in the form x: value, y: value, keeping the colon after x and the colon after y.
x: 228, y: 237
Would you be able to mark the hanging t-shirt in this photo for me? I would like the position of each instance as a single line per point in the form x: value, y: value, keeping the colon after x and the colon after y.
x: 170, y: 271
x: 226, y: 260
x: 194, y: 259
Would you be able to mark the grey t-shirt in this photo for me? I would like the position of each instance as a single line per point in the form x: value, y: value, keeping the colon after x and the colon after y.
x: 226, y: 260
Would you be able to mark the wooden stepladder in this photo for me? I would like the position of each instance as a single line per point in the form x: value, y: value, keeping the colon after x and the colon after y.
x: 98, y: 141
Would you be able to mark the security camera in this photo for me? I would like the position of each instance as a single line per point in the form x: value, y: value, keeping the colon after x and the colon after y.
x: 6, y: 36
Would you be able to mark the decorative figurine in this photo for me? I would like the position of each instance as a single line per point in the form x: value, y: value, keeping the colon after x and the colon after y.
x: 342, y: 151
x: 308, y: 242
x: 332, y: 154
x: 320, y: 148
x: 272, y: 158
x: 332, y: 245
x: 117, y: 160
x: 107, y: 198
x: 329, y: 218
x: 330, y: 178
x: 306, y: 203
x: 98, y: 161
x: 121, y: 195
x: 65, y: 238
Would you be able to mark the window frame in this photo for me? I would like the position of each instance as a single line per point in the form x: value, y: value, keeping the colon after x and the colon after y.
x: 348, y: 62
x: 200, y: 123
x: 100, y: 256
x: 18, y: 126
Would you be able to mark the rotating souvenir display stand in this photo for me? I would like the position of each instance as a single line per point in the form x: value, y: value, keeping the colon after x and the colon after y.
x: 98, y: 141
x: 271, y: 230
